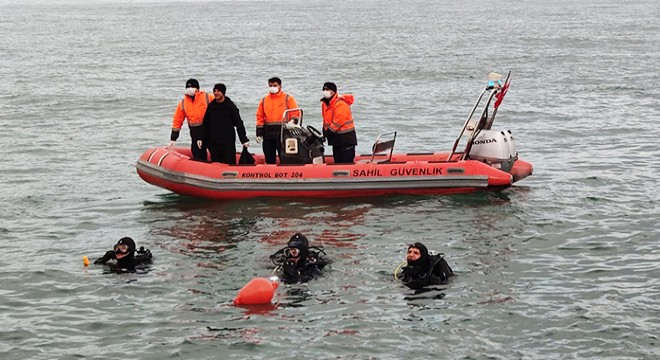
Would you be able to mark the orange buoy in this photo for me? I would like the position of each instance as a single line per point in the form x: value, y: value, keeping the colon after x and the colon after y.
x: 85, y: 261
x: 256, y: 292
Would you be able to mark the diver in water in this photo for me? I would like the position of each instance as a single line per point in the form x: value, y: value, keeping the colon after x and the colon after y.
x: 423, y: 269
x: 125, y: 257
x: 299, y: 262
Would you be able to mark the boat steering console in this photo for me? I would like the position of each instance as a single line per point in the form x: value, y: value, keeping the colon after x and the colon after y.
x: 300, y: 145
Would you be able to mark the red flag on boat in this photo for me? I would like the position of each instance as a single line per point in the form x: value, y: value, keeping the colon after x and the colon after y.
x: 500, y: 96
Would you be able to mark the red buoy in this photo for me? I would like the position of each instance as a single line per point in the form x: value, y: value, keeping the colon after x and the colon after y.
x: 256, y: 292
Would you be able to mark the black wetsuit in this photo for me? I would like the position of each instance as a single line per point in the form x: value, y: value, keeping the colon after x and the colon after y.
x: 133, y: 260
x: 309, y: 265
x: 138, y: 260
x: 425, y: 271
x: 302, y: 271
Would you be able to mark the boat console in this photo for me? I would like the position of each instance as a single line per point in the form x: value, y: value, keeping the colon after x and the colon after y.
x: 301, y: 145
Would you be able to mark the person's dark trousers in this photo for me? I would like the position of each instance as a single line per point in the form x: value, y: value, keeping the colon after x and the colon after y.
x: 198, y: 154
x: 223, y: 153
x: 343, y: 154
x: 272, y: 149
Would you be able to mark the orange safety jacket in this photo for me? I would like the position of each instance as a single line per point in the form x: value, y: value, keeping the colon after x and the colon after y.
x: 192, y: 109
x: 338, y: 125
x: 270, y: 111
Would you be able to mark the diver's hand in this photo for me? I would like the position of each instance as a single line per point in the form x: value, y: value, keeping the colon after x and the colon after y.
x: 410, y: 272
x: 109, y: 255
x: 246, y: 144
x: 171, y: 145
x: 259, y: 139
x: 199, y: 144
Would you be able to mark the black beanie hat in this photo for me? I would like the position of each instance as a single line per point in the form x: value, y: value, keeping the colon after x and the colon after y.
x: 221, y: 87
x: 330, y: 86
x: 192, y: 83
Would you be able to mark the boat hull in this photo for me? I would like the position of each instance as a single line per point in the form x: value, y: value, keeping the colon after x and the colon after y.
x: 412, y: 174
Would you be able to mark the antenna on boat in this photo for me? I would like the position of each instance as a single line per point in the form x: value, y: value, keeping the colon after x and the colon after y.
x: 500, y: 95
x: 467, y: 121
x: 495, y: 86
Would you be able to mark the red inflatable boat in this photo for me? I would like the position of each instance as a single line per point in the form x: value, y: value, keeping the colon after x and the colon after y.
x: 489, y: 161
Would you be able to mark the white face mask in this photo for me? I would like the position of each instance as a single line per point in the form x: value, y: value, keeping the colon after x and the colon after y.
x: 327, y: 94
x: 274, y: 89
x: 190, y: 91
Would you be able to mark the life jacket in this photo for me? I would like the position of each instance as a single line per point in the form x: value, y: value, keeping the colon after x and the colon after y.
x: 270, y: 111
x: 191, y: 109
x: 338, y: 125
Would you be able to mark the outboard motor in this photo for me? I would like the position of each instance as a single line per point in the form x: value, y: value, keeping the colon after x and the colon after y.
x: 302, y: 145
x: 512, y: 143
x: 495, y: 147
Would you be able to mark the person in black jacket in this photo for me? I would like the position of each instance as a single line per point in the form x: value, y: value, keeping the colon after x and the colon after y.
x: 424, y: 269
x: 299, y: 262
x: 220, y: 119
x: 125, y: 257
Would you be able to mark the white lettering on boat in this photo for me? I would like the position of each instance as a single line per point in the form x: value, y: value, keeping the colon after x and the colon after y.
x: 415, y: 171
x: 403, y: 171
x: 370, y: 172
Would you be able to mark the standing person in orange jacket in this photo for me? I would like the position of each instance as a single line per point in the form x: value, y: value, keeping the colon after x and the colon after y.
x: 192, y: 107
x: 338, y: 125
x: 269, y: 118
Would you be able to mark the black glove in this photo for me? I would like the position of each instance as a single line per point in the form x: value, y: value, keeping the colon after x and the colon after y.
x: 412, y: 273
x: 174, y: 135
x: 109, y: 255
